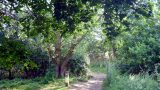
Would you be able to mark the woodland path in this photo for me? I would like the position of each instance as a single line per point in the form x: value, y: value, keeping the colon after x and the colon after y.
x: 95, y: 83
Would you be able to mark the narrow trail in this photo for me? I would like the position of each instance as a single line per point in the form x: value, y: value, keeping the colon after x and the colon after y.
x: 95, y: 83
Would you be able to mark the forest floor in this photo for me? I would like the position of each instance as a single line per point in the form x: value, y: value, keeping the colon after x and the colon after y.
x: 95, y: 83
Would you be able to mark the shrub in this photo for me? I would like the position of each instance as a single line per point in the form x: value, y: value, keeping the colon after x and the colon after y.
x: 132, y: 82
x: 128, y: 82
x: 139, y: 50
x: 78, y: 65
x: 14, y: 55
x: 50, y: 75
x: 19, y: 59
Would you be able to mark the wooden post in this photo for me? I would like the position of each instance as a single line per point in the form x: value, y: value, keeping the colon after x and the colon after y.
x: 158, y: 88
x: 109, y: 76
x: 67, y: 78
x: 157, y: 76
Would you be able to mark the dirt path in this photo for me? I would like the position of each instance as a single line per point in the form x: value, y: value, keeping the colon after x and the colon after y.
x: 94, y: 83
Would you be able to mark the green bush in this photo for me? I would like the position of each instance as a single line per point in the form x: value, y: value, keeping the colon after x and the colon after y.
x: 139, y: 49
x: 78, y: 65
x: 14, y: 56
x: 19, y: 59
x: 50, y: 75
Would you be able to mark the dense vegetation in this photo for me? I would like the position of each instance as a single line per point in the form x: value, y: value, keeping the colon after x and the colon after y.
x: 38, y: 34
x: 41, y: 40
x: 135, y: 50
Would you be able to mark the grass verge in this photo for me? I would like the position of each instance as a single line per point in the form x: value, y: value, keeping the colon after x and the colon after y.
x: 117, y: 81
x: 38, y: 83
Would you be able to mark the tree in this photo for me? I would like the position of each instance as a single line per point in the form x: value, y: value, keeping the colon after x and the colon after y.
x: 116, y: 13
x: 139, y: 49
x: 55, y: 20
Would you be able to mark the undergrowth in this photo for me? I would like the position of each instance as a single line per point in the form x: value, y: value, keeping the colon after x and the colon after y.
x: 99, y: 67
x: 117, y: 81
x: 48, y: 82
x: 38, y: 83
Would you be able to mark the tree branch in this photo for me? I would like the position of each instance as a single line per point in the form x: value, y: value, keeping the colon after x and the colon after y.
x: 71, y: 50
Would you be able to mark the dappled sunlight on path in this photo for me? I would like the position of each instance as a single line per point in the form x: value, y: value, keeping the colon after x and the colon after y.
x: 94, y: 83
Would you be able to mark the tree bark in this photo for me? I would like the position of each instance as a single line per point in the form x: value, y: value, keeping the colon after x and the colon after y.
x: 57, y: 56
x: 62, y: 62
x: 10, y: 75
x: 113, y: 50
x: 60, y: 71
x: 58, y: 45
x: 50, y: 55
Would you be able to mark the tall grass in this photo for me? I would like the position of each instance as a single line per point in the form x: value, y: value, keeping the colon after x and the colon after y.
x: 48, y: 82
x: 117, y: 81
x: 39, y: 83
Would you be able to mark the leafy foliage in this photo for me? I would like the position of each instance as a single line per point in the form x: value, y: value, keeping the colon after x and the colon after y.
x: 115, y: 12
x: 13, y: 53
x: 16, y: 57
x: 78, y: 66
x: 49, y: 21
x: 140, y: 47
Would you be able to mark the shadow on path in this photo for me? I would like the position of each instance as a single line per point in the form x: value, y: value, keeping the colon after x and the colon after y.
x: 94, y: 83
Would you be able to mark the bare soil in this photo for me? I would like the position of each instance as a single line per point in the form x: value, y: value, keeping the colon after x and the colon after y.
x: 95, y: 83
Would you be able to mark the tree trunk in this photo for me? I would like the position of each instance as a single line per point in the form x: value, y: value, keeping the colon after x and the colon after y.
x: 62, y: 62
x: 60, y: 71
x: 113, y: 50
x: 50, y: 55
x: 10, y: 75
x: 61, y: 68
